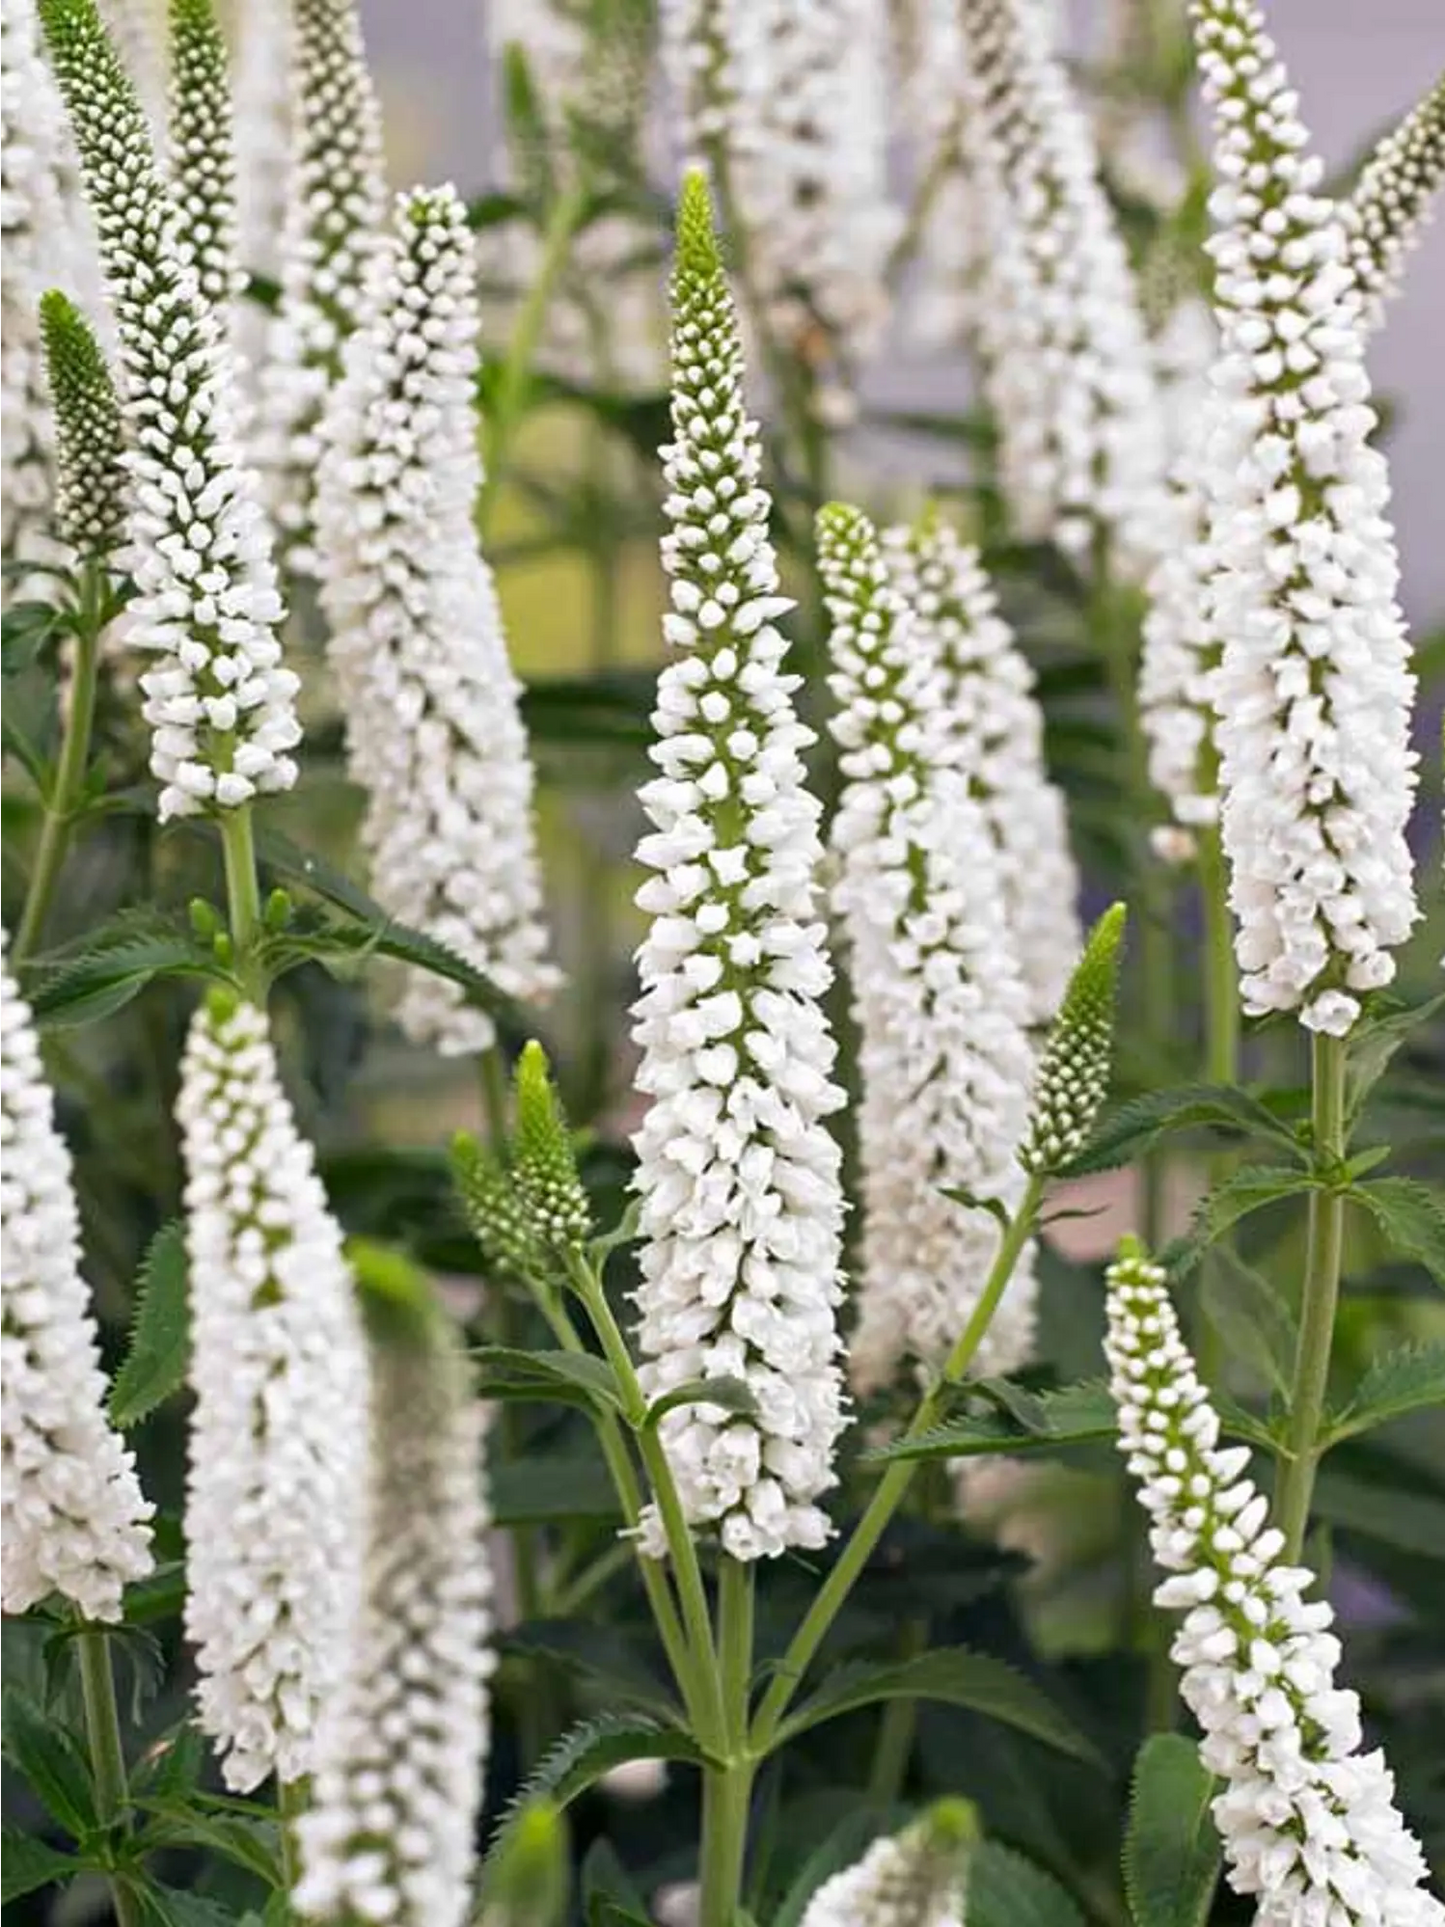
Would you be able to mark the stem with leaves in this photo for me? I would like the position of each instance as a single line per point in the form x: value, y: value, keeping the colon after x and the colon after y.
x: 727, y: 1787
x: 1321, y: 1294
x: 107, y: 1754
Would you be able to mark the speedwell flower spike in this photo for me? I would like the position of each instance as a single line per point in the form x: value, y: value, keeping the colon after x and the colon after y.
x: 917, y: 1878
x: 1073, y: 1075
x: 1314, y: 688
x: 221, y: 705
x: 202, y: 149
x: 741, y: 1199
x: 939, y: 1000
x: 433, y: 719
x: 90, y: 478
x: 1391, y: 206
x: 1308, y: 1821
x: 75, y: 1521
x: 544, y: 1160
x: 335, y: 213
x: 388, y: 1835
x: 278, y: 1439
x: 501, y: 1223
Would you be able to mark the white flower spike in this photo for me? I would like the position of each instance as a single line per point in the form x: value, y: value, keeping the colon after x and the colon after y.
x: 221, y: 704
x: 389, y: 1832
x: 1391, y: 206
x: 434, y: 730
x: 90, y: 478
x: 917, y: 1878
x: 1314, y: 689
x: 74, y: 1519
x: 742, y: 1205
x: 202, y: 149
x: 1308, y: 1821
x: 335, y: 212
x: 939, y: 1000
x: 274, y: 1498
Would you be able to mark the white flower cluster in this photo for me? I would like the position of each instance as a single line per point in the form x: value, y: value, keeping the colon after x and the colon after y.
x: 137, y: 31
x: 987, y: 698
x: 742, y: 1204
x: 917, y: 1878
x: 274, y: 1498
x: 791, y: 94
x: 33, y: 236
x: 1308, y: 1822
x: 74, y: 1519
x: 201, y: 151
x: 90, y: 478
x: 938, y: 997
x: 388, y: 1834
x: 1390, y: 208
x: 221, y: 704
x: 434, y: 730
x: 1314, y: 688
x: 1067, y: 366
x: 1383, y: 220
x: 335, y: 204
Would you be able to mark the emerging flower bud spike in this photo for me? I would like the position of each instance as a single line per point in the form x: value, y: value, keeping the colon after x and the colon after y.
x: 1308, y: 1822
x: 434, y: 727
x: 74, y: 1517
x: 1388, y: 212
x: 274, y: 1498
x: 938, y: 997
x: 90, y: 479
x: 988, y: 699
x: 741, y: 1200
x: 500, y: 1220
x: 917, y: 1878
x: 388, y: 1834
x: 544, y: 1161
x: 1073, y: 1078
x: 221, y: 705
x: 335, y: 211
x: 1314, y: 688
x: 202, y: 156
x: 1067, y: 363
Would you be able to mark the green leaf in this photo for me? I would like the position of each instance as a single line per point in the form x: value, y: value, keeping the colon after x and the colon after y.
x: 45, y: 1755
x: 154, y: 1368
x: 27, y: 1863
x: 252, y: 1844
x: 1242, y: 1193
x: 597, y: 1652
x: 114, y: 965
x: 1250, y: 1316
x: 1006, y: 1890
x: 170, y: 1907
x: 1171, y: 1851
x: 1081, y: 1414
x: 538, y: 1491
x: 995, y: 1207
x: 1399, y: 1381
x: 955, y: 1676
x: 1411, y: 1216
x: 1410, y: 1521
x: 1127, y: 1132
x: 567, y: 1378
x: 734, y: 1395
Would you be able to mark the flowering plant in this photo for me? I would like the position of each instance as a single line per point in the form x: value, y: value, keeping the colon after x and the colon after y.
x: 555, y: 1365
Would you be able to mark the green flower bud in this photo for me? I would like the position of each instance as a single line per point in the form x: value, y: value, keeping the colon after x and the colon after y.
x: 1073, y: 1077
x: 500, y: 1220
x: 543, y: 1161
x: 90, y: 441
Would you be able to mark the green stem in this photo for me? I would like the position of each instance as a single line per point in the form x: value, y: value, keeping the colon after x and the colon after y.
x: 727, y: 1788
x: 107, y: 1754
x: 897, y: 1729
x: 243, y: 888
x: 893, y: 1486
x: 64, y: 799
x: 492, y: 1081
x: 500, y: 420
x: 292, y: 1799
x: 1321, y: 1296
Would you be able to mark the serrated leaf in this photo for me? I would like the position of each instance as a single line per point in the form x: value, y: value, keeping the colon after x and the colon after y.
x: 1081, y: 1414
x: 1241, y: 1194
x: 1406, y: 1379
x: 539, y: 1491
x: 114, y: 965
x: 970, y: 1201
x: 595, y: 1651
x: 609, y: 1893
x: 27, y: 1863
x: 569, y: 1378
x: 955, y: 1676
x: 1127, y: 1132
x: 1251, y: 1317
x: 1171, y: 1849
x: 1412, y: 1217
x: 733, y: 1395
x: 171, y: 1907
x: 252, y: 1844
x: 154, y: 1368
x: 45, y: 1755
x: 1006, y: 1890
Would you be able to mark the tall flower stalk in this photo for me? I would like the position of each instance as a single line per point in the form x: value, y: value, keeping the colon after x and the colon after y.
x: 202, y: 149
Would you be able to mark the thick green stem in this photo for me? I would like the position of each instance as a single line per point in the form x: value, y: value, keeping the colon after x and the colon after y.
x: 1321, y: 1297
x: 243, y: 888
x: 727, y: 1788
x: 292, y: 1799
x: 64, y: 799
x: 500, y: 420
x: 893, y: 1486
x: 107, y: 1755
